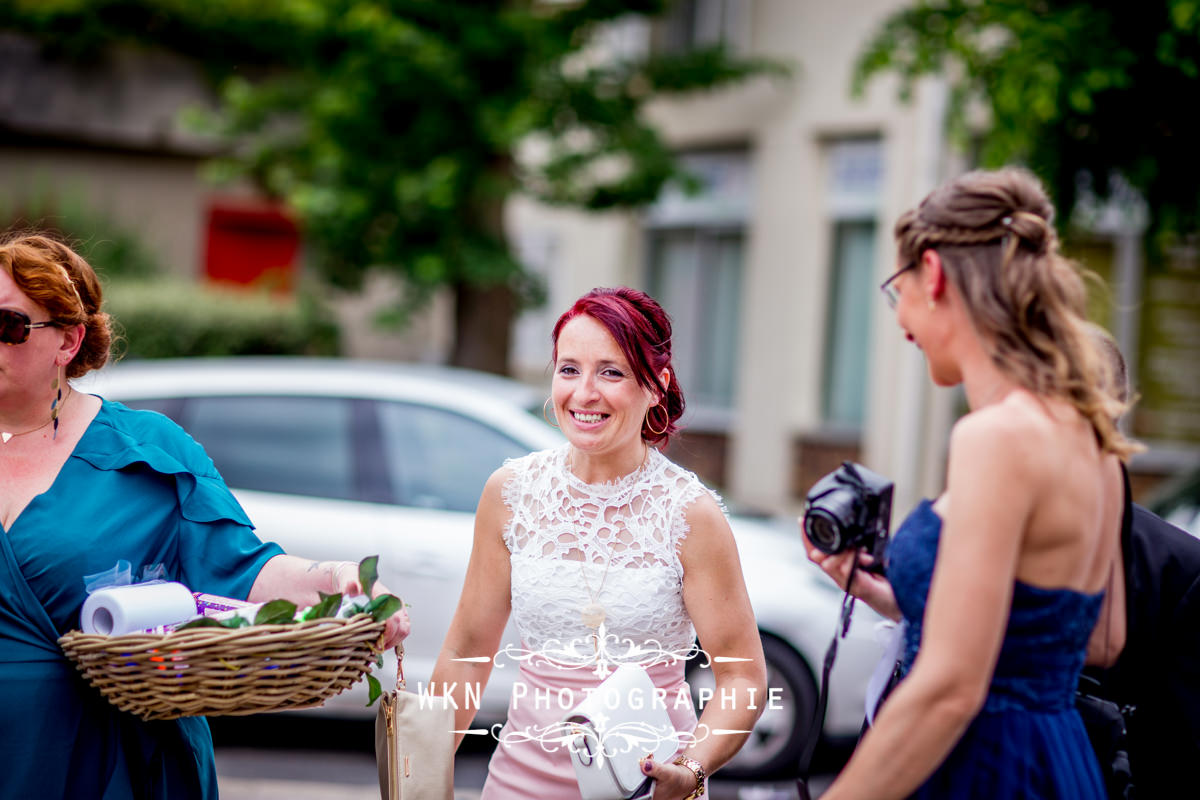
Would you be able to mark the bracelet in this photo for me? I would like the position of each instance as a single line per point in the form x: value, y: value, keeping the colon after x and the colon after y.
x: 696, y: 767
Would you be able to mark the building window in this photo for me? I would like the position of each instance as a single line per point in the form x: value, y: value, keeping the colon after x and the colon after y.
x: 854, y: 180
x: 692, y: 24
x: 695, y: 250
x: 696, y: 275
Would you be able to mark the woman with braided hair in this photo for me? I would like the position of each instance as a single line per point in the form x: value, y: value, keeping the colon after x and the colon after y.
x: 1000, y: 580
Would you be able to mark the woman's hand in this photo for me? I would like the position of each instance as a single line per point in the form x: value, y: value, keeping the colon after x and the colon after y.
x: 398, y: 625
x: 301, y: 581
x: 671, y: 781
x: 873, y: 589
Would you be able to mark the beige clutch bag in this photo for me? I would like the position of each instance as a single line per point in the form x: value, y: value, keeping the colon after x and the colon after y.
x: 414, y: 743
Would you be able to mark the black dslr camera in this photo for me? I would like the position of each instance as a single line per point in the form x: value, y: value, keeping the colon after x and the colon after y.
x: 850, y: 507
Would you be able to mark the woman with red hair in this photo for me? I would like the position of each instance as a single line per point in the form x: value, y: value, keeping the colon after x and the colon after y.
x: 85, y: 483
x: 603, y: 549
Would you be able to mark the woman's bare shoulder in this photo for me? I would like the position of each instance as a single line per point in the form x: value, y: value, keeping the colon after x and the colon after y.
x: 1017, y: 423
x: 708, y: 531
x: 1006, y: 441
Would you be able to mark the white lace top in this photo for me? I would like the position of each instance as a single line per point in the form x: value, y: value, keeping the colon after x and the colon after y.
x: 615, y: 544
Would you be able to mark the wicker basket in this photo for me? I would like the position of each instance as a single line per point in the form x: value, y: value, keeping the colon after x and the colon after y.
x: 218, y: 671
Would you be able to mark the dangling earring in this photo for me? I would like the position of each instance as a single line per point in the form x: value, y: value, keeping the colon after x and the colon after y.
x: 650, y: 428
x: 56, y: 403
x: 545, y: 416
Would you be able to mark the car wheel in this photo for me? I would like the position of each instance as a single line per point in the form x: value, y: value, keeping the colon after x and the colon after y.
x: 781, y: 732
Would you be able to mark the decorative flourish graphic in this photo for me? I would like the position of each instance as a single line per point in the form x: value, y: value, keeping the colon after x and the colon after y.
x: 601, y: 742
x: 600, y: 652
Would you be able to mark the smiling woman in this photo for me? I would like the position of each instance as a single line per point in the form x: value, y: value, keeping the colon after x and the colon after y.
x: 1000, y: 580
x: 604, y: 551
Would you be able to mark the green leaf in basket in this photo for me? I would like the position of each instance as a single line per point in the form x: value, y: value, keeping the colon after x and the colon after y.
x: 276, y: 612
x: 368, y: 573
x: 209, y: 622
x: 328, y: 607
x: 383, y: 606
x: 200, y: 622
x: 373, y: 689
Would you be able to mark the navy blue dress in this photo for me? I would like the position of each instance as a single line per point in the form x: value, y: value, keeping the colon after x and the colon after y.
x: 136, y: 487
x: 1028, y: 741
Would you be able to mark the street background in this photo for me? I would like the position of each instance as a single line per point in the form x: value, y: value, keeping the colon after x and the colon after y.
x: 433, y: 183
x: 330, y: 759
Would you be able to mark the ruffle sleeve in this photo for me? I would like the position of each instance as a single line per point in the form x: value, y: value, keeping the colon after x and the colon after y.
x: 121, y: 437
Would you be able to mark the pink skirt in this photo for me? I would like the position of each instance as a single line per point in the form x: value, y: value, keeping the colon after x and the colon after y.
x: 523, y: 765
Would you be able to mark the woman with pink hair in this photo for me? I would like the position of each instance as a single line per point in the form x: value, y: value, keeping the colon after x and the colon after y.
x: 603, y: 549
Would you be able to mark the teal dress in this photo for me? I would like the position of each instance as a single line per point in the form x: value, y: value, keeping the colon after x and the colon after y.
x: 136, y: 488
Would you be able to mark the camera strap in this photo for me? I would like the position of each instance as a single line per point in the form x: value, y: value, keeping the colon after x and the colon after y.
x: 818, y: 721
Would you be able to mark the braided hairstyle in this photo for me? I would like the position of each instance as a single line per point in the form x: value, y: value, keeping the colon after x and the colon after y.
x: 55, y: 277
x: 993, y: 231
x: 642, y: 330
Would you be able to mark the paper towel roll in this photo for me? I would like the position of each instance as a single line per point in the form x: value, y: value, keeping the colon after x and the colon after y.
x: 137, y: 607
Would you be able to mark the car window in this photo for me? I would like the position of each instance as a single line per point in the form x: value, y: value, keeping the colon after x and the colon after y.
x: 438, y: 458
x: 1186, y: 516
x: 167, y: 406
x: 293, y: 445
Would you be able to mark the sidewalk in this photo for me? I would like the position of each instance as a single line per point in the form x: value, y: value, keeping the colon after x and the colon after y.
x: 264, y: 789
x: 245, y: 773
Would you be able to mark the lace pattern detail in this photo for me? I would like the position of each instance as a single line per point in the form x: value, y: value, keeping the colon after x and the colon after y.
x: 616, y: 543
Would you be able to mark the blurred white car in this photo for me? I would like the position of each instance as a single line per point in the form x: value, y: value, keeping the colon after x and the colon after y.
x: 337, y: 460
x: 1178, y: 501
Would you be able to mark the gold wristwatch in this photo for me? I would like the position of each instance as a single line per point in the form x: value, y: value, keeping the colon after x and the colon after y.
x: 696, y: 767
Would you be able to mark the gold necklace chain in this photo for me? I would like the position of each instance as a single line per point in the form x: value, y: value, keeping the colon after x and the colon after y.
x: 594, y: 614
x: 6, y: 435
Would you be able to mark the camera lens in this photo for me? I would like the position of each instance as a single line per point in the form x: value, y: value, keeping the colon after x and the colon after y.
x: 823, y: 531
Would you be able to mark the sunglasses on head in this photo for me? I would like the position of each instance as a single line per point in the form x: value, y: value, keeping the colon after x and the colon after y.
x: 16, y: 325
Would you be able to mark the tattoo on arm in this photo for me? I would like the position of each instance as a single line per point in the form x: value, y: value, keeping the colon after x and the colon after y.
x: 332, y: 568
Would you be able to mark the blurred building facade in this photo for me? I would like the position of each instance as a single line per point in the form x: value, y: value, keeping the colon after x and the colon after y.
x: 789, y: 357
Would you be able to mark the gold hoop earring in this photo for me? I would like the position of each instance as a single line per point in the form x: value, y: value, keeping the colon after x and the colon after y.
x: 650, y: 428
x: 546, y: 417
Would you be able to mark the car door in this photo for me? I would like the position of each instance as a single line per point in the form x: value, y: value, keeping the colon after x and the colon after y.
x: 309, y: 473
x: 337, y: 478
x: 438, y: 461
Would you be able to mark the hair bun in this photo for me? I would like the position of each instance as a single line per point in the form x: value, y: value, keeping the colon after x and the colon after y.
x: 1032, y: 229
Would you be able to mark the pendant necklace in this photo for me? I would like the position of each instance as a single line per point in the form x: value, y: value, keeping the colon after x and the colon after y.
x: 56, y: 409
x: 592, y: 615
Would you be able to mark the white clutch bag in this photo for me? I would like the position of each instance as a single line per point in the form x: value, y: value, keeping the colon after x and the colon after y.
x: 621, y: 723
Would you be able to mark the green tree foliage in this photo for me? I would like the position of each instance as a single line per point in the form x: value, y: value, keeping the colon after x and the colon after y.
x: 175, y: 319
x: 392, y: 127
x: 1074, y: 88
x: 113, y: 251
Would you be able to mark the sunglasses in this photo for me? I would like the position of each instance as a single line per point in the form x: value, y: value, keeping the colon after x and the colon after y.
x: 15, y: 326
x: 889, y: 289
